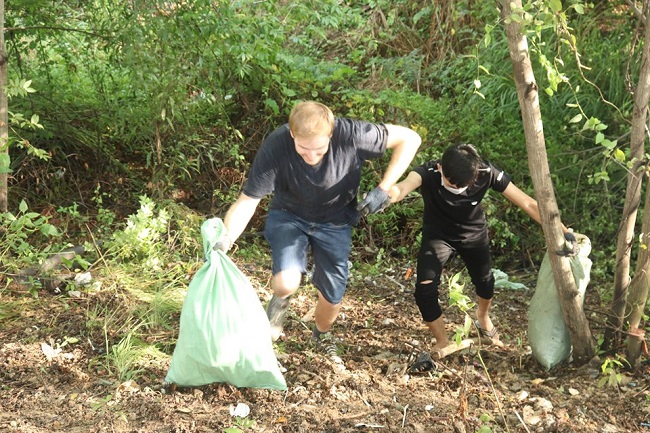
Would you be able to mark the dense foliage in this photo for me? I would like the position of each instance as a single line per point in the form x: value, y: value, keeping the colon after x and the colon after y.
x: 171, y: 100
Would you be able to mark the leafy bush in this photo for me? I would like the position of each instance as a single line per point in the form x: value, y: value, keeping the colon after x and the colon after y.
x: 23, y: 235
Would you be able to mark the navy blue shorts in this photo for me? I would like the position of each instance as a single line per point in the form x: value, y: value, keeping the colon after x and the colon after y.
x: 291, y: 237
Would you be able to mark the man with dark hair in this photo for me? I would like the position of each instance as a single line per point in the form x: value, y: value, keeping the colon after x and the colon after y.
x: 312, y: 165
x: 454, y: 223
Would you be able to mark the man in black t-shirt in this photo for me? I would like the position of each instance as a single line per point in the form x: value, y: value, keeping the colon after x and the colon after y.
x: 454, y: 223
x: 312, y: 166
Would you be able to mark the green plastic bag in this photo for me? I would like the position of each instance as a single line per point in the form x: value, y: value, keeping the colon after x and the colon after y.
x: 547, y: 333
x: 224, y: 334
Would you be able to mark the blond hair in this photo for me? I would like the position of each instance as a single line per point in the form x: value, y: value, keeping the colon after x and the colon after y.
x: 311, y: 119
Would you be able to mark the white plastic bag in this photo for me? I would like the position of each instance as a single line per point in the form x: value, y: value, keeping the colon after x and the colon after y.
x: 547, y: 333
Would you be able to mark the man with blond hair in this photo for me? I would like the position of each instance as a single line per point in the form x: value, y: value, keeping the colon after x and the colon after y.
x: 312, y: 165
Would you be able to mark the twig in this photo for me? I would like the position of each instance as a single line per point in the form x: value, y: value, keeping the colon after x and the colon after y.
x: 467, y: 343
x: 522, y: 421
x: 494, y: 391
x: 404, y: 417
x: 363, y: 399
x: 395, y: 281
x: 96, y: 245
x: 355, y: 415
x: 637, y: 11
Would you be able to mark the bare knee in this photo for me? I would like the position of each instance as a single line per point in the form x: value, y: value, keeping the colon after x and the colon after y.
x: 285, y: 283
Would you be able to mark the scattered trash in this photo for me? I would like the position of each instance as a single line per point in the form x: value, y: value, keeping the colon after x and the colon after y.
x: 83, y: 279
x: 422, y: 364
x: 241, y: 410
x: 501, y: 280
x: 130, y: 386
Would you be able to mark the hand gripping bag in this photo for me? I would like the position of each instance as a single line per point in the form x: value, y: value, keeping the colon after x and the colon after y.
x: 547, y: 333
x: 224, y: 334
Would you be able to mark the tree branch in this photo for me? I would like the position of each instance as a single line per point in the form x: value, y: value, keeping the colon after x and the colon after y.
x: 66, y: 29
x: 636, y: 10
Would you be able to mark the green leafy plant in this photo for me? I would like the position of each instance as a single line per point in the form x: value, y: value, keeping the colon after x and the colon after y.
x: 610, y: 372
x: 373, y: 268
x: 139, y: 241
x: 456, y: 296
x: 104, y: 218
x: 485, y: 428
x: 101, y: 403
x: 241, y: 424
x: 461, y: 301
x: 18, y: 121
x: 19, y: 231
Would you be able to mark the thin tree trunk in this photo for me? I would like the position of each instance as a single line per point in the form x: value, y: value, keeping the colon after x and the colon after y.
x: 527, y: 91
x: 638, y: 291
x: 624, y: 247
x: 632, y: 201
x: 638, y: 295
x: 4, y: 119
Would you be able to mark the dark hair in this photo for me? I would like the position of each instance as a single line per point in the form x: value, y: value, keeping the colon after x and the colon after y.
x: 460, y: 164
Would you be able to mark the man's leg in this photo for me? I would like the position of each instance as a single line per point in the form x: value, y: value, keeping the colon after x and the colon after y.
x: 284, y: 284
x: 437, y: 328
x: 326, y: 313
x: 289, y: 243
x: 479, y: 267
x: 331, y: 245
x: 432, y: 257
x: 483, y: 314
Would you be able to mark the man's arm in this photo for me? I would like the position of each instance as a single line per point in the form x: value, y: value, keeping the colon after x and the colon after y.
x: 525, y: 202
x: 404, y: 143
x: 238, y: 216
x: 403, y: 188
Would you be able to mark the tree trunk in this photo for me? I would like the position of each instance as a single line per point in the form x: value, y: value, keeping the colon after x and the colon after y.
x: 4, y: 116
x: 638, y: 296
x: 625, y: 240
x: 638, y: 291
x: 527, y: 91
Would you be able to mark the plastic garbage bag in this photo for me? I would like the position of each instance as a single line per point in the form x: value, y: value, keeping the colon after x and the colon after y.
x: 547, y: 333
x: 501, y: 280
x: 224, y: 334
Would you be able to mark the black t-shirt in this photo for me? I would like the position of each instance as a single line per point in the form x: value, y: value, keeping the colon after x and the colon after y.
x: 326, y: 192
x: 458, y: 218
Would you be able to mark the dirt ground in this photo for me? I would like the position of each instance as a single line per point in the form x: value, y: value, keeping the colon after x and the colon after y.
x: 486, y: 389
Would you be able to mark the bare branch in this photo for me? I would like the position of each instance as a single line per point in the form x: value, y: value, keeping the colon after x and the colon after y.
x: 637, y: 11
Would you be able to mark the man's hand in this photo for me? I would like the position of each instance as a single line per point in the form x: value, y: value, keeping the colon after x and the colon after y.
x: 570, y: 237
x: 571, y: 247
x: 373, y: 202
x: 224, y: 243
